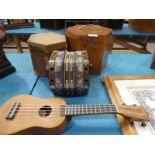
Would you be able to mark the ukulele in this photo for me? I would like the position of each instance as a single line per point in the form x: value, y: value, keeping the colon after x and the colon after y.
x: 25, y: 114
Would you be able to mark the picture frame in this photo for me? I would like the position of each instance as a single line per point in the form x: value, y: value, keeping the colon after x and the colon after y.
x: 117, y: 98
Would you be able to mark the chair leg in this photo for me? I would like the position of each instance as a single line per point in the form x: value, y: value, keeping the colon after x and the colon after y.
x: 18, y: 43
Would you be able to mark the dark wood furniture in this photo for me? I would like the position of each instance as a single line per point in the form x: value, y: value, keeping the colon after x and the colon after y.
x: 143, y: 25
x: 5, y: 66
x: 54, y: 24
x: 153, y: 63
x: 110, y: 23
x: 16, y: 23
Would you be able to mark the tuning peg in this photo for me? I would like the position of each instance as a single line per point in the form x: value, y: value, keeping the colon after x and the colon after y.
x: 132, y: 122
x: 134, y: 105
x: 143, y: 124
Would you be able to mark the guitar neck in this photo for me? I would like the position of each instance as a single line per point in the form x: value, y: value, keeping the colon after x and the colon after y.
x: 136, y: 113
x: 88, y: 109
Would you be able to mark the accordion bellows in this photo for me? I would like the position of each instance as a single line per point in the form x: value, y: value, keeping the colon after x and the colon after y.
x: 69, y: 73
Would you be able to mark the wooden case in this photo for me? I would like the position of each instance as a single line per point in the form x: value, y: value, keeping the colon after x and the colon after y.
x: 41, y: 46
x: 143, y: 25
x: 95, y: 39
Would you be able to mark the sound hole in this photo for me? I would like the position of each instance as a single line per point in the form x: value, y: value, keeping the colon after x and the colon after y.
x: 45, y: 111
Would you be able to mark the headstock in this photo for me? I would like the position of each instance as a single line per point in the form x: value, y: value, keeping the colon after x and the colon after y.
x: 135, y: 113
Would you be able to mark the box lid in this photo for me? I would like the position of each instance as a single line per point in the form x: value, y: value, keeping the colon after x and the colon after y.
x: 46, y: 40
x: 90, y: 29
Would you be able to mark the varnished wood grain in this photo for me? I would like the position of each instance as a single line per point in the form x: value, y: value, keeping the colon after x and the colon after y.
x: 143, y: 25
x: 95, y: 39
x: 28, y: 119
x: 41, y: 46
x: 52, y: 124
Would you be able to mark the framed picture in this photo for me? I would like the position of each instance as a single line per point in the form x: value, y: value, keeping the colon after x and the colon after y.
x: 133, y: 90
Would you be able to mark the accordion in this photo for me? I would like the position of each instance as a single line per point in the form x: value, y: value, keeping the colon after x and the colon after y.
x: 69, y: 73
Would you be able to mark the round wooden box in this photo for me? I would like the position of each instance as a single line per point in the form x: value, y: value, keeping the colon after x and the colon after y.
x: 95, y: 39
x: 41, y: 46
x: 143, y: 25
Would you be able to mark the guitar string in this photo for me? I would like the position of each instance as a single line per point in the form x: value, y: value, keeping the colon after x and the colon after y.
x: 68, y: 109
x: 90, y: 109
x: 91, y: 113
x: 70, y: 106
x: 88, y: 113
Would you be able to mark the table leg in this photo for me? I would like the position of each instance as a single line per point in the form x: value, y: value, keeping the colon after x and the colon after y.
x: 18, y: 43
x: 132, y: 47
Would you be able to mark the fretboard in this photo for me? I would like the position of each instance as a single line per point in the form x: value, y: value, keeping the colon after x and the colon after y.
x: 88, y: 109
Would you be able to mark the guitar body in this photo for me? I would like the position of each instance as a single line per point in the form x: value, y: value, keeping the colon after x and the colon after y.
x: 28, y: 115
x: 39, y: 123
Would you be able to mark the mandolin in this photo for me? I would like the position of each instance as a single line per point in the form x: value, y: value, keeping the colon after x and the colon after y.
x: 25, y: 114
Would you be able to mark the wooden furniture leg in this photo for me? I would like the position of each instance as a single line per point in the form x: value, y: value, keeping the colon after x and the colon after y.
x: 18, y: 43
x: 125, y: 44
x: 153, y: 62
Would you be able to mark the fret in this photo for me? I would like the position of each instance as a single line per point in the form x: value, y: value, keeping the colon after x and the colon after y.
x: 103, y: 109
x: 88, y: 109
x: 78, y: 109
x: 71, y: 110
x: 95, y: 107
x: 74, y: 109
x: 66, y: 111
x: 62, y: 110
x: 100, y: 108
x: 108, y: 109
x: 82, y: 109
